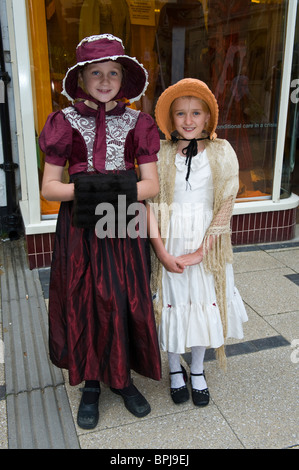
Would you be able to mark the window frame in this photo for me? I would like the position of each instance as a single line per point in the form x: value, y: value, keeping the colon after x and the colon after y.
x: 24, y: 105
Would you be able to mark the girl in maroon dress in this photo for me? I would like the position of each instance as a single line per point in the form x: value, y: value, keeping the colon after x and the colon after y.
x: 101, y: 322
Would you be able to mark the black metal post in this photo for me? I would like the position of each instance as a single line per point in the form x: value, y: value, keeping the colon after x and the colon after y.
x: 9, y: 215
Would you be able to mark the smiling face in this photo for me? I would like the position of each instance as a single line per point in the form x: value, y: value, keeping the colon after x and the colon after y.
x: 190, y: 116
x: 102, y: 80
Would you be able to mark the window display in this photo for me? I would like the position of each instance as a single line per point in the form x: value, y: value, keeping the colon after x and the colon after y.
x: 236, y: 47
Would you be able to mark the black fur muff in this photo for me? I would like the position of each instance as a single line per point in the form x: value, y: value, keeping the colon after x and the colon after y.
x: 94, y: 189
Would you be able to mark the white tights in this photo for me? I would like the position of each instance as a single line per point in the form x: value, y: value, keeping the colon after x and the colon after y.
x: 197, y: 354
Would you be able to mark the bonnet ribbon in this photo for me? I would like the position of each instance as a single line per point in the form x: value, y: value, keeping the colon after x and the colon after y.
x: 100, y: 148
x: 190, y: 151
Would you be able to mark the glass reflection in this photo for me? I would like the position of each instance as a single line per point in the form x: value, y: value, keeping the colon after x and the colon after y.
x: 235, y: 46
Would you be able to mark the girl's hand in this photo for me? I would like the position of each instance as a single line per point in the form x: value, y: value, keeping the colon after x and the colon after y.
x: 192, y: 258
x: 171, y: 263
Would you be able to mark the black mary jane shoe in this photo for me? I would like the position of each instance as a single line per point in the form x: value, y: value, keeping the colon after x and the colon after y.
x: 181, y: 394
x: 200, y: 397
x: 88, y: 413
x: 134, y: 401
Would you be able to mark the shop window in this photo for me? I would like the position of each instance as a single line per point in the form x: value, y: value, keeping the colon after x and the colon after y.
x: 290, y: 171
x: 235, y: 46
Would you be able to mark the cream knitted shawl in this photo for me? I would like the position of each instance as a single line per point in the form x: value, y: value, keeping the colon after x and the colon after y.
x: 225, y: 172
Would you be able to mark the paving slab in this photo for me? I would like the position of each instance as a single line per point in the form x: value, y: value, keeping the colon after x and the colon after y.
x: 258, y: 398
x: 268, y: 292
x: 254, y: 405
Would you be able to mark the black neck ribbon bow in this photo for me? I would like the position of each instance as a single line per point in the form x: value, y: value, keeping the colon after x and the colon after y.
x: 190, y: 151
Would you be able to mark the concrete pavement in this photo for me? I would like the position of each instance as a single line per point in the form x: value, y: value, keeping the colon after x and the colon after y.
x: 253, y: 406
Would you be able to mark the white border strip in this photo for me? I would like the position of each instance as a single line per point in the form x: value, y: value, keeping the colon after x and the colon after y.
x: 24, y: 108
x: 284, y: 98
x: 254, y: 207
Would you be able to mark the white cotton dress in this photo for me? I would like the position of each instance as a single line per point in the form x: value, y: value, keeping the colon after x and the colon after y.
x: 190, y: 315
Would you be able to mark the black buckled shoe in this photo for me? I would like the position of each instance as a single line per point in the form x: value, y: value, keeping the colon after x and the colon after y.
x: 200, y: 397
x: 181, y: 394
x: 134, y: 401
x: 88, y: 414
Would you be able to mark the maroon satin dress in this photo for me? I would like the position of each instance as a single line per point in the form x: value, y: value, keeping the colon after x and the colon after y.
x: 101, y: 321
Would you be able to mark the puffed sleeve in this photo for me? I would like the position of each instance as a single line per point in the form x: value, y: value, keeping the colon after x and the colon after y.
x: 56, y: 139
x: 146, y: 139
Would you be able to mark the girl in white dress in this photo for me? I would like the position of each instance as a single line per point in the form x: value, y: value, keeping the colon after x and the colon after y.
x: 196, y: 302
